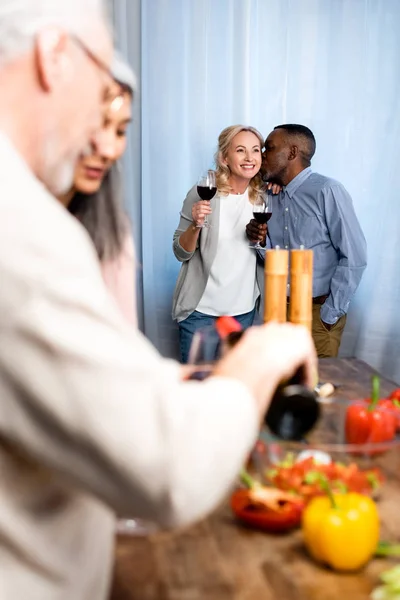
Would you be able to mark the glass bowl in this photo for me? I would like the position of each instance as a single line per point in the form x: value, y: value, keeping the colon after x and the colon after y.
x: 370, y: 468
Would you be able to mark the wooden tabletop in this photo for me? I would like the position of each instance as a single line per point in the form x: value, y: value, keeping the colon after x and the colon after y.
x: 219, y: 560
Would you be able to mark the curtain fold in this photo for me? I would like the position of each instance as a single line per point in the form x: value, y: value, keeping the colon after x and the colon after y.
x: 126, y: 15
x: 332, y: 65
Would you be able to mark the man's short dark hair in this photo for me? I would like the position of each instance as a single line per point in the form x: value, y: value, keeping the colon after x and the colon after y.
x: 305, y: 140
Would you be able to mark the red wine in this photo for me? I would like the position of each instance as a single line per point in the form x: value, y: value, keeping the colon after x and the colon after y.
x: 205, y: 192
x: 262, y: 217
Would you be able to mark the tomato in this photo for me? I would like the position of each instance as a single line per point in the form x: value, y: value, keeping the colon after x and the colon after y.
x: 342, y: 478
x: 267, y: 509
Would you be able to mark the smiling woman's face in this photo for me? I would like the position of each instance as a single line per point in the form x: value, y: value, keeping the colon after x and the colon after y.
x: 109, y: 143
x: 244, y: 155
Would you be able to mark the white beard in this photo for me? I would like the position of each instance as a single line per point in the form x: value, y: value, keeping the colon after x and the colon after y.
x: 57, y: 174
x: 61, y: 179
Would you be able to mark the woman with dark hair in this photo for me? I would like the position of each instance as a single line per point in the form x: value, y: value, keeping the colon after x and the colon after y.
x: 96, y: 198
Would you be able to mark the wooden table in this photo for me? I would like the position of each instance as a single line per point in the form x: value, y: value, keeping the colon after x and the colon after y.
x: 218, y: 560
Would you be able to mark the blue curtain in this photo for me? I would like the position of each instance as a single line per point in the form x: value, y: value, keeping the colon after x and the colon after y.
x: 333, y: 65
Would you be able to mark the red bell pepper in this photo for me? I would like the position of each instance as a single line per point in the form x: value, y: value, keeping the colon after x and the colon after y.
x: 370, y: 421
x: 395, y: 395
x: 394, y: 398
x: 393, y: 406
x: 266, y: 508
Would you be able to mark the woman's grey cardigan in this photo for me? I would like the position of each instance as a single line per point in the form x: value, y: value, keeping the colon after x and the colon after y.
x: 196, y: 266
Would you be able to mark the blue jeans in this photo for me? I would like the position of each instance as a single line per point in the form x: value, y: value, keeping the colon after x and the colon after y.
x: 198, y: 320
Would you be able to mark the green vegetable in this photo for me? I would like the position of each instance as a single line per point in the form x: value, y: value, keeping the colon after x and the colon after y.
x: 288, y: 461
x: 312, y: 477
x: 247, y: 479
x: 390, y: 590
x: 373, y: 481
x: 387, y: 549
x: 339, y: 486
x: 317, y: 477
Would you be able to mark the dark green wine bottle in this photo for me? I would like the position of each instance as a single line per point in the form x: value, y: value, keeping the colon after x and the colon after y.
x: 294, y: 409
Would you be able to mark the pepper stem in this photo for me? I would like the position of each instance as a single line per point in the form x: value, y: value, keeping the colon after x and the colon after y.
x: 375, y: 393
x: 327, y: 488
x: 316, y: 476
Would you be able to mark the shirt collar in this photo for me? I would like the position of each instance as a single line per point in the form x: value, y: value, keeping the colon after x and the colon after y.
x: 291, y: 187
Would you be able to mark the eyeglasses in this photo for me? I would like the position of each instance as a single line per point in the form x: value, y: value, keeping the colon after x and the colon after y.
x: 92, y: 56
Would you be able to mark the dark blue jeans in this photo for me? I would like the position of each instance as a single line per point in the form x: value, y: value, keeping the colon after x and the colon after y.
x: 198, y: 320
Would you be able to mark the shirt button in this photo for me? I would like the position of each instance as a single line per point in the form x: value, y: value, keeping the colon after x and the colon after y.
x: 286, y: 247
x: 285, y: 227
x: 286, y: 209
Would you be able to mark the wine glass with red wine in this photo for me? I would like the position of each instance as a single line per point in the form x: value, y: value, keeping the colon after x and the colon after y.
x: 262, y: 212
x: 206, y: 189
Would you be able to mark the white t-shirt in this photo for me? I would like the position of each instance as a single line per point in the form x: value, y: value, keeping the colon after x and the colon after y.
x: 232, y: 287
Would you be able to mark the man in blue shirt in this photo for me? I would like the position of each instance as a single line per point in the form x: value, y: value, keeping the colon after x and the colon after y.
x: 316, y: 212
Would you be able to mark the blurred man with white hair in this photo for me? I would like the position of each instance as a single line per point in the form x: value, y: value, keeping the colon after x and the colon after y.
x: 54, y: 60
x: 92, y: 419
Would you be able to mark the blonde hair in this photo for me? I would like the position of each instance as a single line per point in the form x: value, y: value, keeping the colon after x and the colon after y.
x: 223, y: 172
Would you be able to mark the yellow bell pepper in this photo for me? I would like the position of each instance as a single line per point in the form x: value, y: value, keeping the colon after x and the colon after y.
x: 341, y: 530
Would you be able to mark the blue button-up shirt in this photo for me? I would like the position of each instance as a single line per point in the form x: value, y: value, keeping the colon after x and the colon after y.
x: 317, y: 212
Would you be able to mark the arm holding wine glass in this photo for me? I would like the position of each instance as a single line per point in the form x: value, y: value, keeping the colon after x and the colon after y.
x: 257, y: 232
x: 257, y: 228
x: 188, y: 239
x: 206, y: 190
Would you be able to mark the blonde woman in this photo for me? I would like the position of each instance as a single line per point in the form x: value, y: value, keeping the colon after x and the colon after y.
x: 220, y: 274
